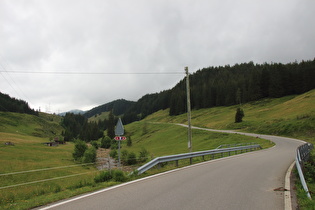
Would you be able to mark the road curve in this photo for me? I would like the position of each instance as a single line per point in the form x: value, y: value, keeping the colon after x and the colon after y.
x: 245, y: 181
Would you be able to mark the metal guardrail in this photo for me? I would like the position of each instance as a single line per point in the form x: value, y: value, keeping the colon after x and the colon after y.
x: 169, y: 158
x: 235, y: 145
x: 302, y: 155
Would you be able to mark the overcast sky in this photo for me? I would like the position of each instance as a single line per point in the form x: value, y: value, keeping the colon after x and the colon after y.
x: 129, y: 37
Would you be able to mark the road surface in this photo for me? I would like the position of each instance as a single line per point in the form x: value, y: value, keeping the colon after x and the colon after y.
x: 245, y: 181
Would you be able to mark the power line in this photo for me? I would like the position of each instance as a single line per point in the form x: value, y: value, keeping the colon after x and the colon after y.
x: 4, y: 67
x: 88, y: 73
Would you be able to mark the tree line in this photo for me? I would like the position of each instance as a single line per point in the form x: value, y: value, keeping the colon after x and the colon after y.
x: 9, y: 104
x: 229, y: 85
x: 118, y: 107
x: 77, y: 126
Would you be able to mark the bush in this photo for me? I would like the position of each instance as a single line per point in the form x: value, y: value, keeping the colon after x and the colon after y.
x: 105, y: 142
x: 89, y: 155
x: 95, y: 144
x: 119, y: 176
x: 79, y: 149
x: 104, y: 176
x: 143, y: 155
x: 124, y: 156
x: 113, y: 153
x: 132, y: 158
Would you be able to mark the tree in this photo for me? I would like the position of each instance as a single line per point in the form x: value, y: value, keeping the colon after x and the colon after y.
x: 79, y: 148
x: 106, y: 142
x: 111, y: 125
x: 129, y: 141
x: 89, y: 155
x: 239, y: 96
x: 239, y: 115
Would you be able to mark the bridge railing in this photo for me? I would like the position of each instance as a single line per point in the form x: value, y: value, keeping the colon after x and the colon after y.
x: 191, y: 155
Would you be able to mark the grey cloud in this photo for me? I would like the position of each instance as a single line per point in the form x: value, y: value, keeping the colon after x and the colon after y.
x: 140, y: 36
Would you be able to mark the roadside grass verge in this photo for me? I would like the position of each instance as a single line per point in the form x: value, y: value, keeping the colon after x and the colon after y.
x: 309, y: 175
x: 166, y: 139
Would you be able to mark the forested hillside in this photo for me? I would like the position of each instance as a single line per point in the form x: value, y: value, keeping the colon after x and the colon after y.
x: 229, y: 85
x: 9, y: 104
x: 118, y: 107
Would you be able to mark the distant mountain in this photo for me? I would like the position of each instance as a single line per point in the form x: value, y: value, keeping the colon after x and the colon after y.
x: 119, y: 107
x: 74, y: 111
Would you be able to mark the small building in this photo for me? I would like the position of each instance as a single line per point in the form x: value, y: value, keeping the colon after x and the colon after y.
x: 55, y: 142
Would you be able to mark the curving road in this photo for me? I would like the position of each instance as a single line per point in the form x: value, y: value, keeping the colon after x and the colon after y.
x: 245, y: 181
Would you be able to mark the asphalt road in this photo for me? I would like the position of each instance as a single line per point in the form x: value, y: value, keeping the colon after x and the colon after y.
x: 245, y: 181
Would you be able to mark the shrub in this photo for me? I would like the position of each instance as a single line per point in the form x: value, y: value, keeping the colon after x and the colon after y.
x: 89, y: 155
x: 124, y: 156
x: 119, y: 176
x: 79, y: 149
x: 95, y: 144
x: 132, y: 158
x: 113, y: 153
x: 103, y: 176
x: 105, y: 142
x: 114, y: 144
x: 143, y: 155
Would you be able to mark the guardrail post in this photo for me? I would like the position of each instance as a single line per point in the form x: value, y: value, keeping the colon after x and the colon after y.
x: 203, y: 158
x: 176, y: 163
x: 190, y: 160
x: 159, y: 165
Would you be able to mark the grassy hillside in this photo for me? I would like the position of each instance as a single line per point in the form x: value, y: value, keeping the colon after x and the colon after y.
x: 292, y: 116
x: 45, y: 126
x: 97, y: 117
x: 165, y: 139
x: 28, y: 133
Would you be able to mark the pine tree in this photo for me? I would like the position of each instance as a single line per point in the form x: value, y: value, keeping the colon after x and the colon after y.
x: 129, y: 141
x: 239, y: 115
x: 111, y: 125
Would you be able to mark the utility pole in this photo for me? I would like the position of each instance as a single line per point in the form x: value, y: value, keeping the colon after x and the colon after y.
x: 188, y: 111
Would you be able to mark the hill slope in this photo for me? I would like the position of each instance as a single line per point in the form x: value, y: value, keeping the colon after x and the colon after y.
x: 44, y: 125
x: 292, y: 116
x: 119, y: 107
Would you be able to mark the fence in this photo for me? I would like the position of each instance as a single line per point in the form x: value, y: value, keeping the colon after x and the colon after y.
x: 191, y: 155
x: 302, y: 155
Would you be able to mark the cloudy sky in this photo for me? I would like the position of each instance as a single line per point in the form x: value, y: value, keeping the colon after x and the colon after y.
x: 77, y: 54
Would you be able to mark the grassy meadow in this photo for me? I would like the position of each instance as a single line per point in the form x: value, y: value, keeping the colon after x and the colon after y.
x: 28, y: 134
